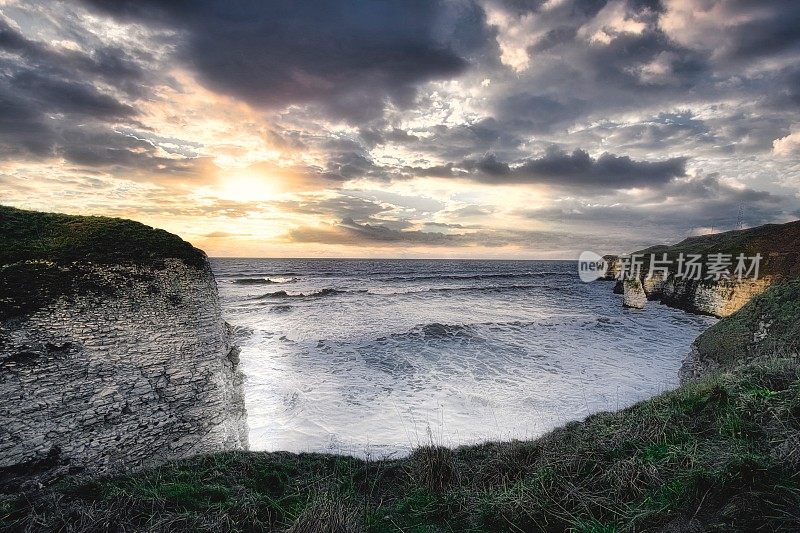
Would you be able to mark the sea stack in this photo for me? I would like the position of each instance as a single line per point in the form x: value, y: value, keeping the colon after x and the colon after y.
x: 633, y: 294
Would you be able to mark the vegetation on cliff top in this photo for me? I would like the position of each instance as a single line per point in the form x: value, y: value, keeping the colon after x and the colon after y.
x: 37, y: 251
x: 778, y: 244
x: 718, y: 454
x: 767, y: 326
x: 33, y: 235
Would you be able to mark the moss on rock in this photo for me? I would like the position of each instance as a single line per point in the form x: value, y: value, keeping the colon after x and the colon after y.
x: 768, y: 325
x: 44, y: 256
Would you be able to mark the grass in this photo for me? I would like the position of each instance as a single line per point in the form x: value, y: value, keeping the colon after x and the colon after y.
x: 36, y: 236
x: 44, y: 256
x: 706, y: 455
x: 718, y: 454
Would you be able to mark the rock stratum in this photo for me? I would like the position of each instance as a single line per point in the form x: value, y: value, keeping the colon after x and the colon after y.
x: 113, y: 351
x: 778, y: 245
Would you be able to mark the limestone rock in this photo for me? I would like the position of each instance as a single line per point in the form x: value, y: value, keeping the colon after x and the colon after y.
x: 105, y: 382
x: 633, y: 294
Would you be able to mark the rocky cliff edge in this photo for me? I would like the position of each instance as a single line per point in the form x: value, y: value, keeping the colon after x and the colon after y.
x: 113, y: 350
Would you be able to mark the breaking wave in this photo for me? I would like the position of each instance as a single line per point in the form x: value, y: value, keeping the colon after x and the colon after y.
x: 264, y: 281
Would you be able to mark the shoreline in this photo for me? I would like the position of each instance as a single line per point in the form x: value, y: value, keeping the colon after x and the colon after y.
x: 721, y: 450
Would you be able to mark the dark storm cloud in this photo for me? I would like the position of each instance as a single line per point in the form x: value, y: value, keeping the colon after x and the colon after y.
x: 620, y: 63
x: 52, y: 94
x: 97, y: 146
x: 608, y: 171
x: 538, y: 113
x: 711, y: 187
x: 339, y: 207
x: 351, y: 58
x: 666, y: 128
x: 448, y: 142
x: 375, y: 207
x: 717, y: 81
x: 383, y: 234
x: 574, y: 78
x: 765, y: 28
x: 675, y: 210
x: 110, y: 64
x: 462, y: 140
x: 351, y: 165
x: 51, y: 105
x: 556, y: 167
x: 349, y: 232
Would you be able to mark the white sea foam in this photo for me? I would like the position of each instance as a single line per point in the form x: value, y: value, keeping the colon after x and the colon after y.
x: 399, y: 352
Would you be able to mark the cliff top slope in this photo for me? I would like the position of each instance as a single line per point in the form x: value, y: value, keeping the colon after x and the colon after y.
x: 778, y: 244
x: 32, y: 235
x: 775, y: 238
x: 767, y: 326
x: 44, y: 256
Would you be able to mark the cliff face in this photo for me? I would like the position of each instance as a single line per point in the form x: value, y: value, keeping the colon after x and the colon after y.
x: 114, y: 364
x: 778, y: 245
x: 767, y: 327
x: 718, y: 298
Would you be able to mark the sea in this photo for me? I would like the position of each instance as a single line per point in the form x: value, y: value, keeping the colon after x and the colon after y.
x: 373, y: 358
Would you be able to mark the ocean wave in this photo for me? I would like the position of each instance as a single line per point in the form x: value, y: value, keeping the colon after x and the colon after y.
x: 317, y: 294
x: 494, y: 288
x: 264, y: 281
x: 499, y: 275
x: 377, y: 292
x: 240, y: 333
x: 436, y: 331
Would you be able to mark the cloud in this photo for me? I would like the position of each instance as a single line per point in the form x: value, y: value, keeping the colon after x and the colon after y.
x: 350, y: 233
x: 578, y: 169
x: 350, y: 58
x: 734, y: 30
x: 224, y: 235
x: 338, y: 207
x: 632, y: 113
x: 786, y: 146
x: 69, y: 103
x: 538, y: 113
x: 670, y: 213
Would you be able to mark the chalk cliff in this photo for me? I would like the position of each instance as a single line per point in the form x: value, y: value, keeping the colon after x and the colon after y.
x: 778, y: 245
x: 113, y: 350
x: 767, y: 327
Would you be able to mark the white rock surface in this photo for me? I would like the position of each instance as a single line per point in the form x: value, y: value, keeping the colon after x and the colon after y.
x: 633, y: 294
x: 102, y: 383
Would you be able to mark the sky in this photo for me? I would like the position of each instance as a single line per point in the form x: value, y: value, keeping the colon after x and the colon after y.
x: 403, y: 128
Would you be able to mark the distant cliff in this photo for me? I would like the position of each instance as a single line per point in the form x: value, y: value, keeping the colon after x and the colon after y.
x: 113, y: 351
x: 778, y: 245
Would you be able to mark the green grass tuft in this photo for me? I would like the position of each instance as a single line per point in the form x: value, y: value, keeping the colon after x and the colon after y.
x: 36, y: 236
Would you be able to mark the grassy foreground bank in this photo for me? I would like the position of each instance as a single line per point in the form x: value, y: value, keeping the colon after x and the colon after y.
x: 718, y: 454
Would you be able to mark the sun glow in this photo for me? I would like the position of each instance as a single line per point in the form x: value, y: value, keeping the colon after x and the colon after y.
x: 247, y: 188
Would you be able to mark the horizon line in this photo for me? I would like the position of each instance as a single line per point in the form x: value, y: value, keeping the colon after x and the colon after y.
x: 386, y: 258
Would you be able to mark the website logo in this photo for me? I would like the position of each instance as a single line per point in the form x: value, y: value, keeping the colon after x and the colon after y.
x: 591, y: 266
